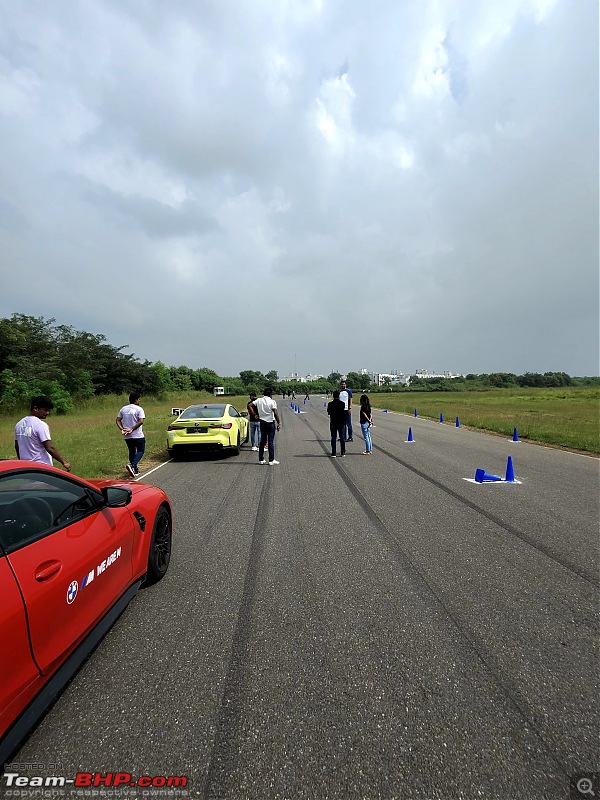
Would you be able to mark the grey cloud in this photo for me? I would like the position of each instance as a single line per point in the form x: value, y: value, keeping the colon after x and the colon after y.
x: 423, y: 177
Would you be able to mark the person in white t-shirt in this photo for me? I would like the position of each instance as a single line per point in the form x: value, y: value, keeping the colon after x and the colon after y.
x: 32, y: 435
x: 346, y: 398
x: 266, y: 408
x: 129, y: 421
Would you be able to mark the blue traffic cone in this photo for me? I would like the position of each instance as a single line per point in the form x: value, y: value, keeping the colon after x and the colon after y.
x: 416, y: 415
x: 457, y: 422
x: 516, y: 436
x: 410, y: 436
x: 481, y: 476
x: 510, y: 473
x: 298, y: 409
x: 384, y: 411
x: 441, y: 417
x: 325, y: 405
x: 305, y: 401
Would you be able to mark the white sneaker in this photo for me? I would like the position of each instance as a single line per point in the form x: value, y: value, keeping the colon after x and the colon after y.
x: 262, y: 462
x: 255, y: 448
x: 130, y: 470
x: 271, y: 463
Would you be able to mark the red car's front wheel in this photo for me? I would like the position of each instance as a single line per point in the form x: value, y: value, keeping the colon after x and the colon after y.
x: 159, y: 555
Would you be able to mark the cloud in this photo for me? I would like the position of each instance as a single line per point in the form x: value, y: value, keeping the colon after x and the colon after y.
x: 388, y: 188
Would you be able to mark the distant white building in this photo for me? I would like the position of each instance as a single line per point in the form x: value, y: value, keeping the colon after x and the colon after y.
x: 389, y: 378
x: 424, y: 373
x: 297, y: 378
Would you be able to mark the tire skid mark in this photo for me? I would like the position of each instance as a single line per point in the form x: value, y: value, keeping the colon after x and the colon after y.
x: 551, y: 554
x: 224, y: 752
x: 506, y: 686
x: 209, y: 522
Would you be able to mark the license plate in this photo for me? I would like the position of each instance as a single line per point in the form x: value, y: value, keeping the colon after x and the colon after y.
x: 197, y: 430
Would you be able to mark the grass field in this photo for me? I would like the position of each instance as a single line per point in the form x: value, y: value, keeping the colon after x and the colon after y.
x: 566, y: 417
x: 91, y: 441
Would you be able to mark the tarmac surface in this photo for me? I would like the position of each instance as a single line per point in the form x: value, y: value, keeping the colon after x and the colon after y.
x: 357, y: 628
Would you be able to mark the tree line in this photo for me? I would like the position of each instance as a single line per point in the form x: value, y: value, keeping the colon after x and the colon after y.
x: 500, y: 380
x: 39, y: 357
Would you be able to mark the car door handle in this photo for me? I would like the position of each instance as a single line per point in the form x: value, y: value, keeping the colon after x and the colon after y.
x: 47, y: 570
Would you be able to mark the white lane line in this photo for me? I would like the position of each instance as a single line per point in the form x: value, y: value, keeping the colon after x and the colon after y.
x: 154, y: 469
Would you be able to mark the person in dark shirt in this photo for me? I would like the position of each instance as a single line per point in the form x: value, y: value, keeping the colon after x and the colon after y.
x: 337, y: 423
x: 254, y: 420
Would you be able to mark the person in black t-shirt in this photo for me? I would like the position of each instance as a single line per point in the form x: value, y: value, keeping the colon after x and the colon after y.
x: 337, y: 423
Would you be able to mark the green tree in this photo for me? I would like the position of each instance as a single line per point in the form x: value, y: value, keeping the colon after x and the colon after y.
x: 207, y: 379
x: 251, y: 377
x: 181, y: 378
x: 358, y: 381
x: 159, y: 380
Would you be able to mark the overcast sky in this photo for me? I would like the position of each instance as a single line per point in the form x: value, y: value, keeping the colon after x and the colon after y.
x: 312, y: 184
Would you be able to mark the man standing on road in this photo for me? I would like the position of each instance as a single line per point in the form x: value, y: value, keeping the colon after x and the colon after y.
x: 32, y: 435
x: 346, y: 398
x: 254, y: 422
x: 266, y: 408
x: 129, y: 421
x: 337, y: 423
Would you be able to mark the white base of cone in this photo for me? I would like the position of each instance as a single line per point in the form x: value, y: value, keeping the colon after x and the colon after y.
x: 488, y: 483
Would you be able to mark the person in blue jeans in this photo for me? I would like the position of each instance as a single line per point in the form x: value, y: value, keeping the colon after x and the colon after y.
x: 129, y: 421
x: 366, y: 421
x: 254, y: 422
x: 266, y: 408
x: 346, y: 398
x: 337, y: 423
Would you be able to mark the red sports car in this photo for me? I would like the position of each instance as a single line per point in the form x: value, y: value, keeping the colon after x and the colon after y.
x: 73, y: 553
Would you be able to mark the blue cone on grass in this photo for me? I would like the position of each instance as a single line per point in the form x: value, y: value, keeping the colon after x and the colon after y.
x: 416, y: 415
x: 457, y: 422
x: 441, y: 417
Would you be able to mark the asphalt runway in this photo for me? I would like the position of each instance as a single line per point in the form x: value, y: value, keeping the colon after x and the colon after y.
x: 355, y: 628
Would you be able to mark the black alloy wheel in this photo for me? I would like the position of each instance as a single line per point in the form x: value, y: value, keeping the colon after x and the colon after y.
x: 159, y: 554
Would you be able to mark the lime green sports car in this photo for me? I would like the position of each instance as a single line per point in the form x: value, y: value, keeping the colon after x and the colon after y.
x: 209, y: 426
